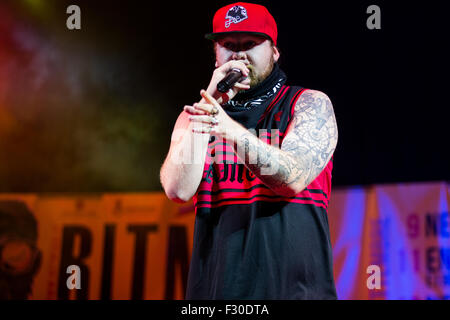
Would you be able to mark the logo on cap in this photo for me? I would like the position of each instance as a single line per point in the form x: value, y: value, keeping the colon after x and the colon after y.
x: 235, y: 15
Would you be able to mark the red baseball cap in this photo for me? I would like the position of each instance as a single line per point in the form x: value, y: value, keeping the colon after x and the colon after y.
x: 244, y: 18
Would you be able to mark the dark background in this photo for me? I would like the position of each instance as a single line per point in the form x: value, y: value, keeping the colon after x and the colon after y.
x: 100, y: 117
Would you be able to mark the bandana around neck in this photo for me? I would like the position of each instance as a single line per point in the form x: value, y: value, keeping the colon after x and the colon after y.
x: 256, y: 96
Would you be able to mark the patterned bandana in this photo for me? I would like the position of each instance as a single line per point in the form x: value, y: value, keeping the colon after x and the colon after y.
x: 258, y: 95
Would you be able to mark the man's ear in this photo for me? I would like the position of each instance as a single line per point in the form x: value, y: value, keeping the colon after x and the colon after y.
x: 276, y: 54
x: 217, y: 64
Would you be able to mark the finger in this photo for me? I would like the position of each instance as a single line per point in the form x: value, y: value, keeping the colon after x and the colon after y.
x: 203, y: 119
x: 192, y: 110
x: 209, y: 98
x: 205, y: 107
x: 199, y: 130
x: 241, y: 86
x: 245, y: 81
x: 239, y: 65
x: 207, y: 129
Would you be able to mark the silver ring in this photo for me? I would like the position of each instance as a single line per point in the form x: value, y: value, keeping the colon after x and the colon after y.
x: 214, y: 111
x: 214, y: 121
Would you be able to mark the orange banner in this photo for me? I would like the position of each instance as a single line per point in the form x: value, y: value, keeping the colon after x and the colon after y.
x: 132, y: 246
x: 389, y: 242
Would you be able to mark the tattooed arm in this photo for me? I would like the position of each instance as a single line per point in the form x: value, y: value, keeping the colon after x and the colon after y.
x: 306, y: 149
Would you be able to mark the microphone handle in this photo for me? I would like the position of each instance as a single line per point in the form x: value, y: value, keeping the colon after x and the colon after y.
x: 230, y: 79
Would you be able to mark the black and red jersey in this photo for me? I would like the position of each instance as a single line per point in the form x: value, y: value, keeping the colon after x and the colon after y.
x: 249, y: 242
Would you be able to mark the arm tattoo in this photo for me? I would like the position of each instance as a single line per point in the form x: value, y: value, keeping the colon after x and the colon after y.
x: 314, y: 134
x: 305, y: 151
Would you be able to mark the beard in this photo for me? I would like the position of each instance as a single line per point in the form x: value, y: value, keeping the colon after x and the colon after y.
x: 256, y: 79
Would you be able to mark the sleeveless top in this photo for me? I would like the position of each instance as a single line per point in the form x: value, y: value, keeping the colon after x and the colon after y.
x: 249, y: 242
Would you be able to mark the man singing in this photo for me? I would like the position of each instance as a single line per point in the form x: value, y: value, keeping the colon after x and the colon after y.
x: 257, y: 160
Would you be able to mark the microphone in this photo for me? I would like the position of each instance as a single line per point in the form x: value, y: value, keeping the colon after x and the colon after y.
x: 230, y: 79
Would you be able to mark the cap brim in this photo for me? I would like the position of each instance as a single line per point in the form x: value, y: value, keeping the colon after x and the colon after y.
x: 213, y: 36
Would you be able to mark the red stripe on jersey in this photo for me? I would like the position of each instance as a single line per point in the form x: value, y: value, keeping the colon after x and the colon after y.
x: 231, y: 193
x: 256, y: 199
x: 294, y: 100
x: 280, y: 94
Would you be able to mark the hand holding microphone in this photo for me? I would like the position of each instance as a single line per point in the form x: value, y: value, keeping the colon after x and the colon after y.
x: 233, y: 76
x: 228, y: 79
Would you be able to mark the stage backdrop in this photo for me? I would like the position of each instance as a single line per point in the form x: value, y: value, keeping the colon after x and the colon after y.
x: 389, y: 242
